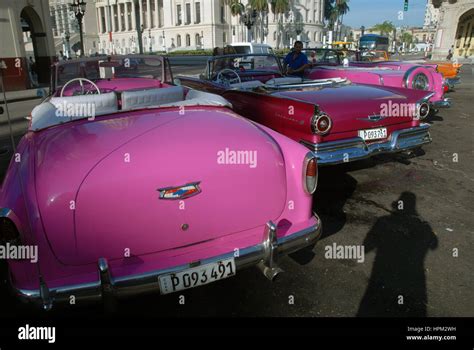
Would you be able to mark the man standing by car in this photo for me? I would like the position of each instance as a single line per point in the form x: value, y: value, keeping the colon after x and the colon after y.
x: 296, y: 61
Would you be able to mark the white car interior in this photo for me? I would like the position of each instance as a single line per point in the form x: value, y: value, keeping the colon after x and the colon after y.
x: 60, y: 110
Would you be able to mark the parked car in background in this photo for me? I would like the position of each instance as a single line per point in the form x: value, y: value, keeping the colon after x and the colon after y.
x: 409, y: 76
x: 449, y: 70
x: 337, y: 120
x: 117, y: 206
x: 248, y: 48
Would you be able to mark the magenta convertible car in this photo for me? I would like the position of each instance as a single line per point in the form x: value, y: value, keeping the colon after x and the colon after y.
x: 337, y: 120
x: 128, y: 184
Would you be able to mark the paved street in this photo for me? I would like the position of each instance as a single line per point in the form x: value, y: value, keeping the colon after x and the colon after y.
x: 411, y: 267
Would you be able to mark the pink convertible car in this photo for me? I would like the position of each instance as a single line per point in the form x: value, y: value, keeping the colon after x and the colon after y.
x: 328, y: 63
x: 128, y: 184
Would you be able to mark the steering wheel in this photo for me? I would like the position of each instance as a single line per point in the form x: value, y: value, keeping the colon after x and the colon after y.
x: 227, y: 81
x: 82, y: 86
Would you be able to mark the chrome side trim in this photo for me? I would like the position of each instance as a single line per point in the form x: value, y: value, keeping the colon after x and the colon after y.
x: 336, y: 152
x: 406, y: 76
x: 268, y: 251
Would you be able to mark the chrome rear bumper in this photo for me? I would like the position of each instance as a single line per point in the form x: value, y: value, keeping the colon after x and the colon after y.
x: 451, y: 82
x: 444, y: 103
x: 264, y: 255
x: 336, y: 152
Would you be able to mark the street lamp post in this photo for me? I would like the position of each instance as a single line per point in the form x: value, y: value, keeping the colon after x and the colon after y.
x: 164, y: 42
x: 79, y: 9
x: 67, y: 51
x: 248, y: 18
x: 149, y: 40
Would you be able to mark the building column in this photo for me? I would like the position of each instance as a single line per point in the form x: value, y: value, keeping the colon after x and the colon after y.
x: 99, y: 19
x: 134, y: 22
x: 156, y: 14
x: 56, y: 10
x: 106, y: 15
x: 141, y: 12
x: 125, y: 15
x: 148, y: 14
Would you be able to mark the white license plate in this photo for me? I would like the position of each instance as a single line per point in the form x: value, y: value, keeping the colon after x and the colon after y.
x: 373, y: 134
x: 197, y: 276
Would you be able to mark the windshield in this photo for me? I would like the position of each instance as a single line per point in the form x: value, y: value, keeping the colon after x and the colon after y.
x: 109, y: 67
x: 249, y: 67
x: 322, y: 56
x: 374, y: 42
x: 372, y: 55
x: 242, y: 49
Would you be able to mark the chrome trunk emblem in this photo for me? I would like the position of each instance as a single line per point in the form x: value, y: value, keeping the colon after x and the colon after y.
x: 372, y: 118
x: 180, y: 192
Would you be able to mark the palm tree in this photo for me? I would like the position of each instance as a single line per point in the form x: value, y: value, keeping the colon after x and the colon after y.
x: 334, y: 11
x: 279, y: 8
x: 329, y: 12
x: 236, y: 8
x: 407, y: 38
x: 342, y: 8
x: 386, y: 28
x: 260, y: 6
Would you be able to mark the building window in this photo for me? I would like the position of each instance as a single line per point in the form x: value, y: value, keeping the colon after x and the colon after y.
x: 197, y: 13
x: 197, y: 39
x: 160, y: 13
x: 274, y: 35
x: 222, y: 14
x: 188, y: 13
x: 178, y: 40
x: 102, y: 18
x: 116, y: 26
x: 145, y: 10
x: 122, y: 10
x: 188, y: 40
x: 315, y: 16
x: 224, y: 38
x: 152, y: 17
x: 178, y: 15
x: 129, y: 14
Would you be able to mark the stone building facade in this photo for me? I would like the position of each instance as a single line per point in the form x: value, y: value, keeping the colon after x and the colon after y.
x: 455, y: 29
x: 195, y: 24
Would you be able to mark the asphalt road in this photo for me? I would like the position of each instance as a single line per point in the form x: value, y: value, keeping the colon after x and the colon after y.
x: 418, y: 261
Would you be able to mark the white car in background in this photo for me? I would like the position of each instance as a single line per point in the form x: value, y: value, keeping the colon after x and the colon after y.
x: 249, y: 48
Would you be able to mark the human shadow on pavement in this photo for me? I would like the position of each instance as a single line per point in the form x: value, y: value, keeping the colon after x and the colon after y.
x: 397, y: 285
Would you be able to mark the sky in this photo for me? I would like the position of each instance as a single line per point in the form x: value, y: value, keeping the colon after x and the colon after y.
x: 370, y: 12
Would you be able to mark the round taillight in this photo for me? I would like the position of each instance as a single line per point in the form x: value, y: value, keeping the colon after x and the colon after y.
x: 423, y: 110
x: 310, y: 173
x: 321, y: 124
